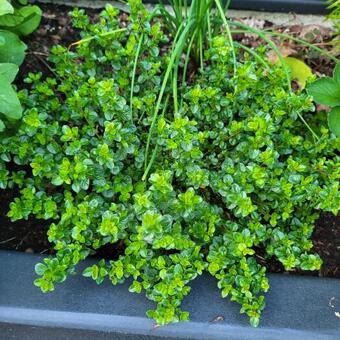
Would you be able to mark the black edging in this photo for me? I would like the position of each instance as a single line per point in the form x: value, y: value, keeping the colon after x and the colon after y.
x: 296, y: 6
x: 297, y: 308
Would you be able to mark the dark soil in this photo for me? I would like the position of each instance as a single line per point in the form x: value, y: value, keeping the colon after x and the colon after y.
x: 23, y: 235
x: 326, y: 240
x: 31, y: 235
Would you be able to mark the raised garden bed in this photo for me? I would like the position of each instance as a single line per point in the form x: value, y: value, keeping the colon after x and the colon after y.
x: 297, y: 306
x: 31, y: 236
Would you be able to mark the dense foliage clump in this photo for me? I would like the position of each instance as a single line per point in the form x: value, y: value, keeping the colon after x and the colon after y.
x: 228, y: 173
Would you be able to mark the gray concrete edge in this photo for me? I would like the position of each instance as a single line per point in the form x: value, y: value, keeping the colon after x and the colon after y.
x: 117, y: 324
x: 298, y: 307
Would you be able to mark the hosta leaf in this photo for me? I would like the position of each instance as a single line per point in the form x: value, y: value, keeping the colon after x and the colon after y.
x: 299, y: 70
x: 9, y: 102
x: 325, y: 91
x: 12, y: 48
x: 9, y: 71
x: 334, y: 120
x: 5, y: 7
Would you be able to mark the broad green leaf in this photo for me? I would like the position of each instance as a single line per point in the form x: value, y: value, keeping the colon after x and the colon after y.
x: 12, y: 48
x: 10, y: 21
x: 9, y: 102
x: 5, y: 7
x: 9, y: 71
x: 336, y: 73
x: 334, y: 120
x: 325, y: 91
x: 31, y: 16
x: 2, y: 126
x: 299, y: 70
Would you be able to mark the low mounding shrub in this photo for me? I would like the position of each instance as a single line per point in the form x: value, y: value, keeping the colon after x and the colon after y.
x: 228, y: 175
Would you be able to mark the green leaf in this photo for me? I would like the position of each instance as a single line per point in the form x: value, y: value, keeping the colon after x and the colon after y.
x: 5, y: 7
x: 40, y: 268
x: 31, y: 19
x: 299, y: 70
x: 9, y: 102
x: 325, y: 91
x: 10, y: 21
x: 336, y: 73
x: 9, y: 71
x: 87, y: 272
x: 23, y: 21
x: 136, y: 287
x: 254, y: 321
x: 12, y: 48
x: 334, y: 120
x: 213, y: 268
x: 44, y: 285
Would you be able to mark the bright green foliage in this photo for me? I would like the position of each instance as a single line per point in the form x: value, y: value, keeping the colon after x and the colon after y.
x: 16, y: 18
x: 326, y: 91
x: 235, y: 169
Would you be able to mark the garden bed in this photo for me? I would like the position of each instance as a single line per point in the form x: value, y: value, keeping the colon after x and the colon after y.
x: 31, y: 236
x: 224, y: 173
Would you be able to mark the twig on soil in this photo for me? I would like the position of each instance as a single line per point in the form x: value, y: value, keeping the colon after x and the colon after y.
x: 37, y: 55
x: 8, y: 240
x: 22, y: 241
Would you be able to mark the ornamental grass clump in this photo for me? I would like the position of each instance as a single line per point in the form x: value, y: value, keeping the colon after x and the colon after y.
x: 202, y: 183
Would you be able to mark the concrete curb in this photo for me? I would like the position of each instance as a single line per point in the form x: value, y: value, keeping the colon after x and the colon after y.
x: 298, y: 307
